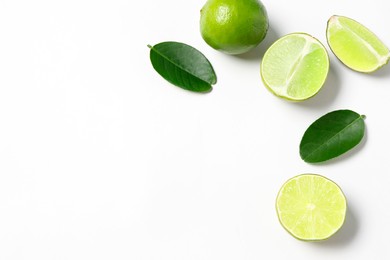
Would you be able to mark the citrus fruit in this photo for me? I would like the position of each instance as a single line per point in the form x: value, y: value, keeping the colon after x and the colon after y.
x: 295, y: 67
x: 311, y: 207
x: 355, y: 45
x: 233, y: 26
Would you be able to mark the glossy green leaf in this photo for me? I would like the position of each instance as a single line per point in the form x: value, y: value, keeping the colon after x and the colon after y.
x: 332, y: 135
x: 183, y: 66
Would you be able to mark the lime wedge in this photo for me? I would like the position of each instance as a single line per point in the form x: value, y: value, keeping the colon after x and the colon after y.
x: 295, y: 67
x: 311, y: 207
x: 355, y: 45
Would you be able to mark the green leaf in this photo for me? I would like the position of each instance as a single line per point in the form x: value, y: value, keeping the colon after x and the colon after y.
x: 183, y: 66
x: 331, y: 135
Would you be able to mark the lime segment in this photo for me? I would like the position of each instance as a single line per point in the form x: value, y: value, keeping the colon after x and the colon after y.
x: 311, y: 207
x: 355, y: 45
x: 295, y: 67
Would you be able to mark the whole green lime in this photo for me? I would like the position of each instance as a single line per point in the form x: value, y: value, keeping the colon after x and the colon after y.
x: 233, y: 26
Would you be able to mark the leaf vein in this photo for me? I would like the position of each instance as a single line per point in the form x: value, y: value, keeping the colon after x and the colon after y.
x: 332, y: 137
x: 178, y: 65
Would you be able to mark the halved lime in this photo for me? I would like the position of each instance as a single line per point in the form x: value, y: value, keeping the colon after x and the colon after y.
x: 311, y: 207
x: 295, y: 67
x: 355, y: 45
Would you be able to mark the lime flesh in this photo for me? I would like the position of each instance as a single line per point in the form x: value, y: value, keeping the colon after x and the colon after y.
x: 232, y: 26
x: 311, y: 207
x: 295, y: 67
x: 355, y: 45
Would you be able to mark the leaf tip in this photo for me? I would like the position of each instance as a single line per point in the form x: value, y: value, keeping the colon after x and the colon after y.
x: 208, y: 90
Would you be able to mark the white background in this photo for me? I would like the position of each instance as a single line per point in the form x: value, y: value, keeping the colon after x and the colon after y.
x: 101, y: 158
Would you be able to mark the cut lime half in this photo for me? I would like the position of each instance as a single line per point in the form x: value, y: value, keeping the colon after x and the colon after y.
x: 355, y: 45
x: 295, y: 67
x: 311, y: 207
